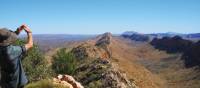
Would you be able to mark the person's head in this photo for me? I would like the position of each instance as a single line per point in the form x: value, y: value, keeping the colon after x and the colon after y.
x: 7, y: 37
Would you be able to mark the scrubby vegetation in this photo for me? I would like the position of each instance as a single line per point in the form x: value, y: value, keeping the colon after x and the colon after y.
x: 35, y: 65
x: 64, y: 62
x: 40, y: 72
x: 38, y: 69
x: 45, y: 84
x: 90, y: 73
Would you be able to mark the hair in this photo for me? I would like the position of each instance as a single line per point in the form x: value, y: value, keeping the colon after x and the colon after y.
x: 7, y: 37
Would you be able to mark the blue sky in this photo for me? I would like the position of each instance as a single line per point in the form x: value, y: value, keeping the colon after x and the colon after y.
x: 99, y: 16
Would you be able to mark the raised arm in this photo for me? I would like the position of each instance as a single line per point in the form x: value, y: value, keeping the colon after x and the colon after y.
x: 29, y: 43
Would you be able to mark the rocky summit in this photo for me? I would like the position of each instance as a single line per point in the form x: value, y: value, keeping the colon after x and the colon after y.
x: 95, y: 49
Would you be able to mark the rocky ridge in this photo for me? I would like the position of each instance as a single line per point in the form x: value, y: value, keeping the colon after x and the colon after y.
x: 171, y: 45
x: 108, y: 61
x: 96, y: 69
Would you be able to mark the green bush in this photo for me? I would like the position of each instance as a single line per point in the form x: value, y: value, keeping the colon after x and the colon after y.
x: 64, y: 62
x: 35, y: 65
x: 44, y: 84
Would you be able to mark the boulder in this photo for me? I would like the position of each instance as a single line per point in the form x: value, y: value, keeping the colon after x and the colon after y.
x: 67, y: 80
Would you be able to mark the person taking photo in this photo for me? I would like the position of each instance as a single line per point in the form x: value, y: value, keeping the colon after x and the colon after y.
x: 12, y: 73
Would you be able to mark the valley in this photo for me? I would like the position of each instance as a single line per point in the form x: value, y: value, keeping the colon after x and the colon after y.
x: 144, y: 66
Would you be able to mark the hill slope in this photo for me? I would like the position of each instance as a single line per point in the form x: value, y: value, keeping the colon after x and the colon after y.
x: 118, y: 58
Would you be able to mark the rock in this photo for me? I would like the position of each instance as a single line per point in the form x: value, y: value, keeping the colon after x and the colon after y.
x: 64, y: 83
x: 67, y: 80
x: 116, y: 79
x: 102, y: 74
x: 87, y: 50
x: 100, y: 50
x: 104, y: 40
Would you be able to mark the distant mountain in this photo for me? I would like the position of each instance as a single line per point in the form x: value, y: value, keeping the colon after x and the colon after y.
x: 148, y: 37
x: 176, y: 44
x: 195, y: 35
x: 172, y: 34
x: 130, y: 33
x: 136, y: 36
x: 191, y: 56
x: 167, y: 34
x: 171, y: 44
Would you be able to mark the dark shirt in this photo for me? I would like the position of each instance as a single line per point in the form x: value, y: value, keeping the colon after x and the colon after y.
x: 12, y: 73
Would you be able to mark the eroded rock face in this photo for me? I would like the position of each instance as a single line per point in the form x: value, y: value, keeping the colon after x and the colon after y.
x: 99, y: 50
x: 105, y: 40
x: 101, y: 74
x: 90, y: 51
x: 116, y: 79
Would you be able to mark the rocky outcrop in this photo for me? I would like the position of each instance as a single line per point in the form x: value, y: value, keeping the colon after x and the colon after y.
x: 67, y: 80
x: 95, y: 69
x: 87, y: 50
x: 104, y: 40
x: 100, y: 73
x: 98, y: 50
x: 171, y: 45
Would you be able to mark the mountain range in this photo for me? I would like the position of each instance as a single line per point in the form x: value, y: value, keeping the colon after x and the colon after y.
x: 191, y: 36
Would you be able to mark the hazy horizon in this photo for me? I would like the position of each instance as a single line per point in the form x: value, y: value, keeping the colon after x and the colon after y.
x: 103, y: 33
x: 100, y: 16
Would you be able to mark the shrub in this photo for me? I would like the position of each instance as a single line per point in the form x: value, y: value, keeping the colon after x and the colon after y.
x: 64, y: 62
x: 44, y: 84
x: 35, y: 65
